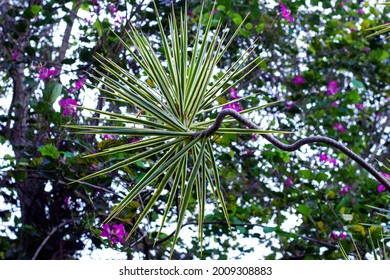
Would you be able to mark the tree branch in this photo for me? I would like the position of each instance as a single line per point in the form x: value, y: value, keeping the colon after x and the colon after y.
x: 296, y: 145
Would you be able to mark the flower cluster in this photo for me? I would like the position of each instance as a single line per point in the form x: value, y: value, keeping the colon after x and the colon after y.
x: 15, y: 55
x: 78, y: 84
x: 289, y: 182
x: 69, y: 105
x: 235, y: 106
x: 115, y: 233
x: 326, y: 158
x: 345, y: 189
x: 382, y: 188
x: 47, y: 73
x: 339, y: 127
x: 285, y: 12
x: 332, y: 88
x: 298, y: 80
x: 338, y: 235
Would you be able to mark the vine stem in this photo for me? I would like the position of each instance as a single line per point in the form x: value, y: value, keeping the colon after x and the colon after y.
x: 294, y: 146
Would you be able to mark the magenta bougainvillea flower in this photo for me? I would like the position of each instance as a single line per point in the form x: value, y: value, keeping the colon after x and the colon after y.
x: 113, y: 9
x: 298, y: 80
x: 108, y: 137
x: 338, y: 235
x: 382, y: 188
x: 234, y: 106
x: 78, y: 84
x: 342, y: 235
x: 334, y: 104
x: 359, y: 106
x: 290, y: 104
x: 332, y: 88
x: 289, y: 182
x: 15, y: 55
x: 115, y: 233
x: 387, y: 176
x: 47, y: 73
x: 326, y: 158
x: 323, y: 157
x: 285, y: 12
x: 345, y: 189
x: 339, y: 127
x: 233, y: 93
x: 69, y: 105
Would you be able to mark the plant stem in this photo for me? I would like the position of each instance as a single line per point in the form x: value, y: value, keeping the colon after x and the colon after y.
x: 294, y: 146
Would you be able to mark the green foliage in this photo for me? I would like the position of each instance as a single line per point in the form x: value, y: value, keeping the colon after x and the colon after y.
x: 326, y: 42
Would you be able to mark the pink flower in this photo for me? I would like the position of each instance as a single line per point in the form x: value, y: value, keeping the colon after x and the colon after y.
x: 15, y: 55
x: 233, y: 106
x: 345, y: 189
x: 338, y: 235
x: 117, y: 233
x: 325, y: 158
x: 69, y: 105
x: 342, y: 235
x: 67, y: 200
x: 360, y: 12
x: 113, y: 9
x: 108, y: 137
x: 332, y: 88
x: 339, y: 127
x: 47, y: 73
x: 387, y: 176
x: 290, y: 104
x: 334, y: 104
x: 133, y: 140
x: 381, y: 188
x: 233, y: 93
x: 254, y: 136
x: 289, y: 182
x: 359, y: 106
x: 298, y: 80
x: 78, y: 85
x: 285, y: 13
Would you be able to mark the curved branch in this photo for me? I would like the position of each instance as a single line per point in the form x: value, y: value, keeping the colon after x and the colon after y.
x: 294, y: 146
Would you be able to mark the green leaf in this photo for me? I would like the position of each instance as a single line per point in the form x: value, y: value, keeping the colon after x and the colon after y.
x: 304, y: 210
x: 35, y: 9
x: 269, y: 229
x: 304, y: 173
x: 358, y: 85
x: 51, y: 92
x: 49, y: 150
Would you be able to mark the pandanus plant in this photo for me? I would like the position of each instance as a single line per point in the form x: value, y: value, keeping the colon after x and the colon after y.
x: 176, y: 105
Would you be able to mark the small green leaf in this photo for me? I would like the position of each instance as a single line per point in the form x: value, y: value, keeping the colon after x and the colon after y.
x: 304, y: 210
x: 51, y: 92
x: 35, y: 9
x: 357, y: 84
x: 304, y: 173
x: 269, y: 229
x: 50, y: 151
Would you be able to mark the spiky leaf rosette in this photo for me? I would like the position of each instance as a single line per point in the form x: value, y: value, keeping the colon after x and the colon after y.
x: 179, y: 94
